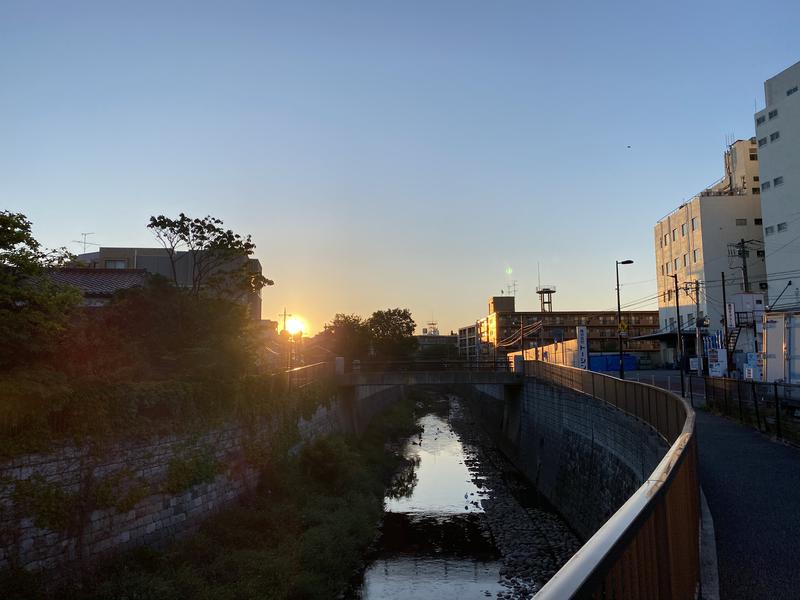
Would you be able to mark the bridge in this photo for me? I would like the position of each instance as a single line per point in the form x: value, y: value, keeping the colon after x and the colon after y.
x: 638, y: 508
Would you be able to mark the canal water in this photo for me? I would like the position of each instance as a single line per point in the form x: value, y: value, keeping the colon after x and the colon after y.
x: 437, y: 539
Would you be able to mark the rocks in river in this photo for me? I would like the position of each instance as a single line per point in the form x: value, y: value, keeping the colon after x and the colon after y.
x: 533, y: 543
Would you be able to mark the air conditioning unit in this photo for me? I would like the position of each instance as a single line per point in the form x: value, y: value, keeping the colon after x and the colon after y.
x: 763, y: 285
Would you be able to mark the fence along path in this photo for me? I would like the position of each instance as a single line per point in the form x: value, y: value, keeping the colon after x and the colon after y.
x: 649, y: 548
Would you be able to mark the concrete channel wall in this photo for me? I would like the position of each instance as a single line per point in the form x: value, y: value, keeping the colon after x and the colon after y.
x: 32, y: 535
x: 585, y: 456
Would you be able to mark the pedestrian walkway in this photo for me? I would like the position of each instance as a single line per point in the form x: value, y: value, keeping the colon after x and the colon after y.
x: 753, y: 489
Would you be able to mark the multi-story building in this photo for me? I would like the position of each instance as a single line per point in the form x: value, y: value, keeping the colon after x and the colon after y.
x: 778, y: 135
x: 499, y: 332
x: 718, y: 231
x: 157, y: 261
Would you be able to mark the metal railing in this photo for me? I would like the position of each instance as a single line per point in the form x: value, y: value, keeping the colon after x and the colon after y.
x: 302, y: 376
x: 649, y: 548
x: 772, y: 408
x: 431, y: 365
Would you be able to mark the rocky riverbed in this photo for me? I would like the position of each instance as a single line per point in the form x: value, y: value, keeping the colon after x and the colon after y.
x: 534, y: 542
x: 466, y: 523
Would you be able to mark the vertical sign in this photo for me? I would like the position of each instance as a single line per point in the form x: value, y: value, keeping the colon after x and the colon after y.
x: 583, y: 347
x: 730, y: 315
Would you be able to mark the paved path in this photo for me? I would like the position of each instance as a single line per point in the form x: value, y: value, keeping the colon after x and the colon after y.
x: 753, y: 490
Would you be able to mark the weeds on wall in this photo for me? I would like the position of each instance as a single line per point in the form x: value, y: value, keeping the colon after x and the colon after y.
x: 302, y: 534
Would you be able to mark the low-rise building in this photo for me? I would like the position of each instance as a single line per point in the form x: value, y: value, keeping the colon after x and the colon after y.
x: 506, y: 330
x: 158, y: 261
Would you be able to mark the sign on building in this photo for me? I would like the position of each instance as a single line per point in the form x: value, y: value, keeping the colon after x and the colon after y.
x: 583, y: 346
x: 730, y: 315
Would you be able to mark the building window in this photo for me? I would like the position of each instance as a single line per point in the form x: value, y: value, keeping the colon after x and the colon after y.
x: 774, y: 136
x: 765, y: 186
x: 760, y: 120
x: 777, y: 181
x: 676, y: 263
x: 760, y: 253
x: 755, y: 178
x: 667, y: 268
x: 762, y: 142
x: 669, y: 295
x: 757, y: 221
x: 662, y: 270
x: 791, y: 91
x: 117, y: 264
x: 769, y: 230
x: 685, y: 260
x: 674, y: 231
x: 694, y: 223
x: 755, y: 191
x: 683, y: 227
x: 741, y: 222
x: 666, y: 239
x: 773, y: 114
x: 753, y: 156
x: 695, y: 254
x: 782, y: 226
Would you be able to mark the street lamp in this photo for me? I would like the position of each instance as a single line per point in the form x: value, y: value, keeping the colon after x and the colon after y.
x: 619, y: 320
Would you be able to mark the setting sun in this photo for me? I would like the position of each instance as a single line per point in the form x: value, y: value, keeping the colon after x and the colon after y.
x: 295, y: 325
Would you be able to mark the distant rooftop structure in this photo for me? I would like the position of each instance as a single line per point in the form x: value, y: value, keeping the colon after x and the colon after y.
x: 98, y: 285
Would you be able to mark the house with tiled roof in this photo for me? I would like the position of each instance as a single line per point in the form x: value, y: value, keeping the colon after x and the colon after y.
x: 99, y: 285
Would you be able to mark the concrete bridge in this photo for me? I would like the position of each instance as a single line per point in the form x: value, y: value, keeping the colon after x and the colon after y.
x: 617, y: 458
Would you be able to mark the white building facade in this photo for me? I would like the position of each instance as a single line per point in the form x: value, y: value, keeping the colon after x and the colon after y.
x: 778, y: 135
x: 717, y: 231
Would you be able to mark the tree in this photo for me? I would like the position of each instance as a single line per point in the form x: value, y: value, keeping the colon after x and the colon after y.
x: 392, y: 333
x: 34, y: 312
x: 348, y: 336
x: 218, y: 257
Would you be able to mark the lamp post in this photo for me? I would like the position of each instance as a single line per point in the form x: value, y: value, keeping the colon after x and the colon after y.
x: 619, y: 320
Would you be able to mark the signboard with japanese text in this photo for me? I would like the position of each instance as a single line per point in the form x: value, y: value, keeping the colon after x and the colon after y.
x: 583, y: 346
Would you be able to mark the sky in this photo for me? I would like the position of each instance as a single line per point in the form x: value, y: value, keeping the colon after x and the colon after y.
x: 386, y: 154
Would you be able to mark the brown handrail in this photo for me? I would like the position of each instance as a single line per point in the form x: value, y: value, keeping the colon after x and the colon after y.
x: 649, y: 548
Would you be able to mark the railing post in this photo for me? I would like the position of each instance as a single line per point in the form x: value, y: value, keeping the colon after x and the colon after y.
x: 739, y: 396
x: 755, y: 404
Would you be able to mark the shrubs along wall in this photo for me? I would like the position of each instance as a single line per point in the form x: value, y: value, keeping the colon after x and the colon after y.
x: 112, y: 485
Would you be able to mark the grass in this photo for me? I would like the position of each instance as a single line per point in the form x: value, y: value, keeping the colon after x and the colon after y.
x: 302, y: 534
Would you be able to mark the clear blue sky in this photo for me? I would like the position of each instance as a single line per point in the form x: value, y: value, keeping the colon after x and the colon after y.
x: 385, y: 153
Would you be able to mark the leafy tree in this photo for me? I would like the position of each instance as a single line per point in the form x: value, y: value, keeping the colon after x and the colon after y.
x: 156, y: 331
x: 34, y: 311
x: 348, y: 336
x: 218, y: 256
x: 392, y: 333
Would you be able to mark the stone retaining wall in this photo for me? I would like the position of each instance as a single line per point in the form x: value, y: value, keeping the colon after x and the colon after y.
x: 35, y: 489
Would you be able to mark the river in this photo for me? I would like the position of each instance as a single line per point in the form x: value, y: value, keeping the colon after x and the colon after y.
x: 460, y: 522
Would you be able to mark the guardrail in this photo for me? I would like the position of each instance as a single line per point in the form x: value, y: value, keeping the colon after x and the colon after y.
x: 302, y: 376
x: 430, y: 365
x: 649, y: 548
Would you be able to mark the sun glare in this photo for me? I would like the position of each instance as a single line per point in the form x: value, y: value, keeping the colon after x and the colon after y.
x: 295, y: 325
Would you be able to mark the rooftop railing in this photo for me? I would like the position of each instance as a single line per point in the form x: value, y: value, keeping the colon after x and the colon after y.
x: 649, y: 548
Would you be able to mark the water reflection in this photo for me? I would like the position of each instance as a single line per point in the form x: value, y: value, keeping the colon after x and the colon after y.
x: 432, y: 543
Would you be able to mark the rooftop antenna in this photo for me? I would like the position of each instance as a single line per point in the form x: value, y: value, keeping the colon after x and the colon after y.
x: 84, y: 242
x: 512, y: 288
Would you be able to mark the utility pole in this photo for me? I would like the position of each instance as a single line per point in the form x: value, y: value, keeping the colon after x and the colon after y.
x: 679, y: 346
x: 698, y: 349
x: 743, y: 254
x: 725, y: 320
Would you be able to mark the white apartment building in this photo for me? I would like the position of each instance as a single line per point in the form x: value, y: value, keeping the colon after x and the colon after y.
x: 778, y: 135
x: 697, y: 242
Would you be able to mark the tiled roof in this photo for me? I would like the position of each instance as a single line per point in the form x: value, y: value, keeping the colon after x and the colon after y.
x: 99, y: 282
